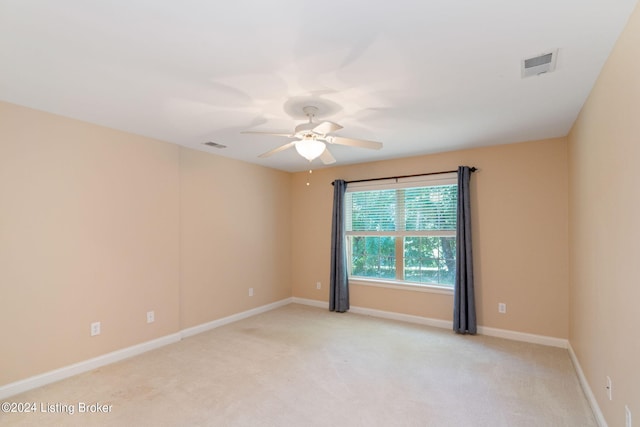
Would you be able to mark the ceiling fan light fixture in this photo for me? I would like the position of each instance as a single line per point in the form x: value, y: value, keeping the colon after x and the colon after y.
x: 310, y: 148
x: 311, y: 139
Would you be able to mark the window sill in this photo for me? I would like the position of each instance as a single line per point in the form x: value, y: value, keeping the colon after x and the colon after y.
x: 434, y: 289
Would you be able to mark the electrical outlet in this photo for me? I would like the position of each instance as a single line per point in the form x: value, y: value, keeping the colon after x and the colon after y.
x: 318, y: 285
x: 151, y: 316
x: 95, y: 329
x: 250, y: 292
x: 609, y: 388
x: 502, y: 308
x: 627, y: 414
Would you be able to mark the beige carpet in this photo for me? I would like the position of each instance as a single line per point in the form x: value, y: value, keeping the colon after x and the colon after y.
x: 303, y: 366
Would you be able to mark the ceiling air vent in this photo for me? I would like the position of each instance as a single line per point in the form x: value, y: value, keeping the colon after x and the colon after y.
x: 540, y: 64
x: 214, y: 144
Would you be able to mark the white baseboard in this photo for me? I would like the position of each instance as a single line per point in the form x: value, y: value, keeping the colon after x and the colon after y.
x: 27, y: 384
x: 446, y: 324
x: 524, y: 337
x: 427, y: 321
x: 379, y: 313
x: 597, y: 413
x: 233, y: 318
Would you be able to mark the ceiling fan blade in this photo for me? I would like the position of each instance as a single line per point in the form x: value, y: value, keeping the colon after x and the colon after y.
x: 363, y: 143
x: 326, y: 127
x: 255, y: 132
x: 277, y: 150
x: 326, y: 157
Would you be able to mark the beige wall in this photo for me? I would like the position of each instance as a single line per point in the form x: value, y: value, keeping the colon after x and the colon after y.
x: 88, y: 232
x: 520, y: 229
x: 604, y: 147
x: 102, y: 225
x: 235, y: 235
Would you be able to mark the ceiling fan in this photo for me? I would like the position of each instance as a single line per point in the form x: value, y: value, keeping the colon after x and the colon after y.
x: 311, y: 139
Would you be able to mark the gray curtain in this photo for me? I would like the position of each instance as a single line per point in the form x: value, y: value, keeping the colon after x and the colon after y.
x: 464, y: 308
x: 339, y: 283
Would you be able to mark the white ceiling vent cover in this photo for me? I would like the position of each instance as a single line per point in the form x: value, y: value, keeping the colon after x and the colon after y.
x: 540, y: 64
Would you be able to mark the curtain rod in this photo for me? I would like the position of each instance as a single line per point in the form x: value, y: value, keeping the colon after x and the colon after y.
x: 472, y: 169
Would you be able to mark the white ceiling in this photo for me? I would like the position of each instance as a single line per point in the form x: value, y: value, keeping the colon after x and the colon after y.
x: 421, y: 76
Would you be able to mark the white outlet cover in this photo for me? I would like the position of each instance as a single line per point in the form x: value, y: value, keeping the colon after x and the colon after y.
x: 151, y: 316
x: 502, y: 308
x: 250, y: 292
x: 95, y: 329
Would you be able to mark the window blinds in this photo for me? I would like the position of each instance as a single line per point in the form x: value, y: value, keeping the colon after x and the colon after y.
x: 423, y: 208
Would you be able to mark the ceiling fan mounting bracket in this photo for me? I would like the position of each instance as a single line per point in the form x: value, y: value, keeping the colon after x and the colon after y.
x: 310, y: 111
x: 299, y: 106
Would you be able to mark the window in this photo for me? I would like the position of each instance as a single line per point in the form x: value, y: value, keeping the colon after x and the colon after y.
x: 403, y: 231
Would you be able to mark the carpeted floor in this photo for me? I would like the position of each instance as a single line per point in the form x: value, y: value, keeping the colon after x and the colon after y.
x: 304, y: 366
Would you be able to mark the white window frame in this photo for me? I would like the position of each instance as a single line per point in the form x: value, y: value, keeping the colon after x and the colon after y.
x: 420, y: 181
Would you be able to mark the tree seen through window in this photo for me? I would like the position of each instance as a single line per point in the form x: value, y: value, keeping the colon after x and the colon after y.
x: 404, y: 234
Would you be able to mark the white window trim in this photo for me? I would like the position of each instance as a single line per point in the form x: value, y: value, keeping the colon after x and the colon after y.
x: 395, y: 183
